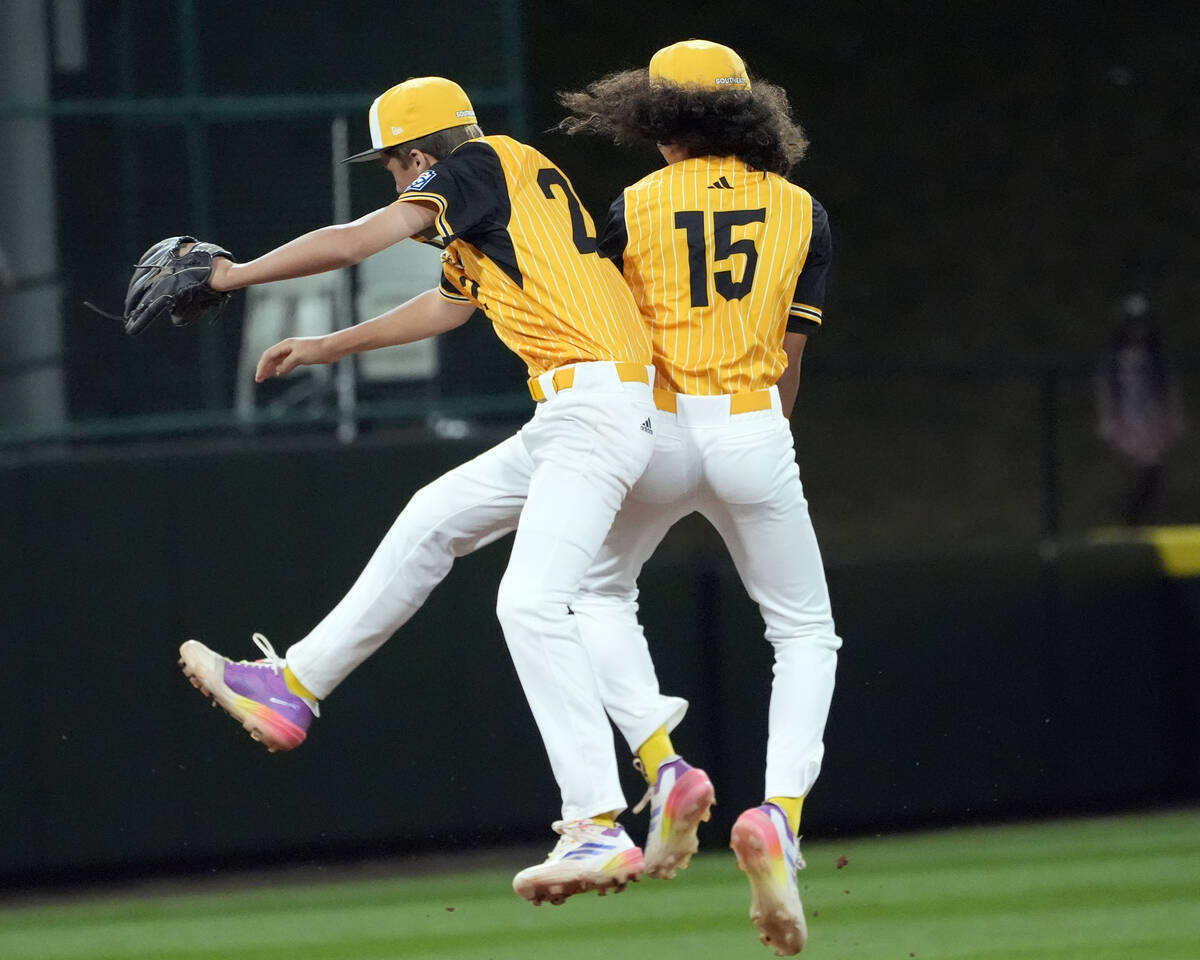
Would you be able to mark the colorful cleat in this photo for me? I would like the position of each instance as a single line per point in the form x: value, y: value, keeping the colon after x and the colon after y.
x: 769, y: 854
x: 252, y: 692
x: 679, y: 799
x: 588, y: 856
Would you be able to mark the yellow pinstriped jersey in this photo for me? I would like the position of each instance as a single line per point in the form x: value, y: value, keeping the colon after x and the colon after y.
x: 722, y: 260
x: 519, y: 245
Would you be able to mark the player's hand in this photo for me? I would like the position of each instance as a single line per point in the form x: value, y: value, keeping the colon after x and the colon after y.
x: 291, y: 353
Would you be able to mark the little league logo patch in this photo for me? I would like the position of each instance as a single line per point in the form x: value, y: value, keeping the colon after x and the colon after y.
x: 419, y: 183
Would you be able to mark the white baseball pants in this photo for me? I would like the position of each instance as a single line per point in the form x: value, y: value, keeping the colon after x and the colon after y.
x: 558, y: 482
x: 739, y: 471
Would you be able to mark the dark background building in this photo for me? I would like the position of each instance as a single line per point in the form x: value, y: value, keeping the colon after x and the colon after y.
x: 998, y: 178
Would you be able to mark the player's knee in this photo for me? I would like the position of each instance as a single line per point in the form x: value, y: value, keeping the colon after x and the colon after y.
x: 812, y: 637
x: 527, y: 606
x: 812, y: 629
x: 426, y: 502
x: 514, y: 606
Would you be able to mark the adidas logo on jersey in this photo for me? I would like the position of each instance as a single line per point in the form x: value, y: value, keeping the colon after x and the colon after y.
x: 722, y: 184
x: 647, y: 428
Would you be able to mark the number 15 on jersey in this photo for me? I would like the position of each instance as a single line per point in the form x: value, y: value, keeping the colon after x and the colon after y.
x: 737, y: 279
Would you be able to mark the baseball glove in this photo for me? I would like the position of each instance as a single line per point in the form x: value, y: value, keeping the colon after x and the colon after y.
x: 171, y: 280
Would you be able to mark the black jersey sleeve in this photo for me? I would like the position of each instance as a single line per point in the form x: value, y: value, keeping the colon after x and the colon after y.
x: 809, y: 298
x: 449, y: 290
x: 467, y: 187
x: 614, y: 237
x: 471, y: 194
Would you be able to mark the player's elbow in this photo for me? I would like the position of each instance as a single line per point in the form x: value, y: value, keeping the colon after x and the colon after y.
x: 350, y: 244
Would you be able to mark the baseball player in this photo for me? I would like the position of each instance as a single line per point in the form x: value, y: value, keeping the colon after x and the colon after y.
x: 518, y: 245
x: 727, y: 260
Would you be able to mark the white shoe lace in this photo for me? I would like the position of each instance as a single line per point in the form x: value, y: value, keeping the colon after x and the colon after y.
x: 274, y: 662
x: 649, y: 795
x: 641, y: 768
x: 571, y: 832
x: 270, y: 657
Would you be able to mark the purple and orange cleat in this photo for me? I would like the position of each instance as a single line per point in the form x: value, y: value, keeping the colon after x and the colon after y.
x: 680, y: 798
x: 769, y: 854
x: 588, y: 856
x: 252, y: 692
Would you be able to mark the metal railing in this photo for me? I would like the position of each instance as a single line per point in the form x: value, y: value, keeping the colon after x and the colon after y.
x: 190, y: 114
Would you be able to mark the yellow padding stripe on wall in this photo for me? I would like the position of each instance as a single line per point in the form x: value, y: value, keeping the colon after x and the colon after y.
x: 1178, y: 547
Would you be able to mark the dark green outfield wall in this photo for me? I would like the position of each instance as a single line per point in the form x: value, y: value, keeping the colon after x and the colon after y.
x: 993, y: 684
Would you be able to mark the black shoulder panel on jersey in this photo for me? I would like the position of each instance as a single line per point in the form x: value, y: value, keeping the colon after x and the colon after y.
x: 478, y: 206
x: 614, y: 237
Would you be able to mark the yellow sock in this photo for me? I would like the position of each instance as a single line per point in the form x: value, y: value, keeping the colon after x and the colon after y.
x: 653, y: 752
x: 791, y: 806
x: 606, y: 820
x: 295, y: 685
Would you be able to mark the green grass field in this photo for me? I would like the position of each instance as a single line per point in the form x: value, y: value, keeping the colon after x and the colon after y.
x: 1115, y: 888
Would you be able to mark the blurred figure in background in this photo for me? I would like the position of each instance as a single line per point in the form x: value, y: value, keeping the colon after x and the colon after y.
x: 7, y: 279
x: 1138, y: 406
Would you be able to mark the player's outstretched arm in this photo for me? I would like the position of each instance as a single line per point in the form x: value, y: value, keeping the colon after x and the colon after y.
x: 329, y: 248
x: 425, y: 315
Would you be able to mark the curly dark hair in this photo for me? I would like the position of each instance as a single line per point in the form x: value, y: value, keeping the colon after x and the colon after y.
x: 754, y: 125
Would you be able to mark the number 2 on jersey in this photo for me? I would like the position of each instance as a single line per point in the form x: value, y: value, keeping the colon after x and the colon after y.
x: 547, y: 178
x: 691, y: 222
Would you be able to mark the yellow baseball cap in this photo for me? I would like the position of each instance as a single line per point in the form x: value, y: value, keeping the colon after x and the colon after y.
x: 412, y: 109
x: 700, y: 62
